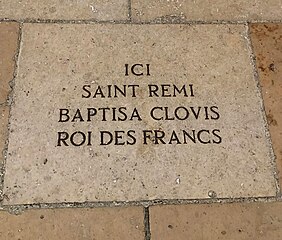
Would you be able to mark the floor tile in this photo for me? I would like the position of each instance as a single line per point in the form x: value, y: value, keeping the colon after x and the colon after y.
x: 267, y: 41
x: 204, y: 10
x: 83, y: 128
x: 258, y: 221
x: 69, y: 224
x: 8, y: 47
x: 102, y: 10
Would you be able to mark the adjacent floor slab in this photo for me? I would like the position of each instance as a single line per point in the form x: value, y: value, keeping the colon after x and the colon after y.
x: 69, y: 224
x: 8, y: 46
x: 237, y: 221
x: 205, y: 10
x: 134, y: 112
x: 267, y: 41
x: 103, y: 10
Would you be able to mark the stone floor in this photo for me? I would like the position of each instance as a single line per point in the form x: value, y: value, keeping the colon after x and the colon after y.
x: 94, y: 97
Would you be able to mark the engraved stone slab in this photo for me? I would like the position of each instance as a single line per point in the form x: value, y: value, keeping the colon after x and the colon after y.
x: 132, y: 112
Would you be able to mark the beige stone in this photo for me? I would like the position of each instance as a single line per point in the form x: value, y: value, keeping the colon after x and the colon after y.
x: 4, y: 114
x: 103, y: 10
x: 55, y: 63
x: 204, y: 10
x: 8, y: 45
x: 267, y: 43
x: 237, y: 221
x: 69, y: 224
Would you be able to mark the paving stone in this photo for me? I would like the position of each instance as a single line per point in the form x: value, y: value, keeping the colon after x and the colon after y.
x: 68, y: 224
x: 258, y: 221
x: 8, y: 45
x: 204, y: 10
x: 103, y: 10
x: 219, y: 107
x: 4, y: 114
x: 268, y: 46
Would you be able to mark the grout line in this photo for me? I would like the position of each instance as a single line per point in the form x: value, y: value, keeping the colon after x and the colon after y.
x: 145, y: 203
x: 147, y: 223
x: 262, y: 106
x: 2, y: 170
x: 70, y: 21
x: 161, y: 20
x: 129, y: 10
x: 10, y: 103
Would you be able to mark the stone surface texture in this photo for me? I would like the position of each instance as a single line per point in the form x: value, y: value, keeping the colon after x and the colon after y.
x: 267, y: 42
x: 8, y: 46
x: 103, y: 10
x: 205, y: 10
x: 258, y: 221
x: 4, y: 114
x: 69, y: 224
x: 215, y: 59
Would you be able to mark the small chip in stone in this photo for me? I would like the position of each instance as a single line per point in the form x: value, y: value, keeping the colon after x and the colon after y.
x: 212, y: 194
x: 177, y: 180
x: 223, y: 232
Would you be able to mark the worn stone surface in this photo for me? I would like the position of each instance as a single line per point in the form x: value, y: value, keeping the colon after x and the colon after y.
x: 217, y: 221
x: 69, y: 224
x: 233, y: 162
x: 204, y: 10
x: 4, y: 114
x: 102, y: 10
x: 8, y: 46
x: 267, y: 42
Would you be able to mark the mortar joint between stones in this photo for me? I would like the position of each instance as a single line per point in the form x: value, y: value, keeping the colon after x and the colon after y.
x: 16, y: 208
x: 147, y: 223
x: 129, y: 11
x: 159, y: 20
